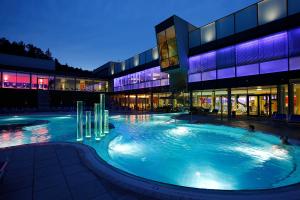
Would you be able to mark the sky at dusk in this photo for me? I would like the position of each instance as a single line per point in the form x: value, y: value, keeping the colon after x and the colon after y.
x: 90, y: 33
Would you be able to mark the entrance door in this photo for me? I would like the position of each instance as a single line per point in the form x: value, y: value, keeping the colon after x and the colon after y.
x: 253, y: 105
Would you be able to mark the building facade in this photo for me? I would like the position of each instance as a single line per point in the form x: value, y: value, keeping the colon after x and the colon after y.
x: 31, y: 84
x: 246, y: 63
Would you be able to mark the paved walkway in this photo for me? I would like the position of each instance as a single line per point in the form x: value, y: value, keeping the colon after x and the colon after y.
x: 48, y: 171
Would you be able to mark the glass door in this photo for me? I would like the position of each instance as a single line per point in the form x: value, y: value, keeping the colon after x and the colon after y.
x: 253, y: 105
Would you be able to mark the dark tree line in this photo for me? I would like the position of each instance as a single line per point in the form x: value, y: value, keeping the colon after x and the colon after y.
x: 29, y: 50
x: 22, y: 49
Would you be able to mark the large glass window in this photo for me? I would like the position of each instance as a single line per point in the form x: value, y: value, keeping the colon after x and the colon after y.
x: 9, y: 80
x: 271, y: 10
x: 225, y: 26
x: 40, y: 82
x: 64, y: 83
x: 168, y: 47
x: 23, y: 81
x: 208, y: 33
x: 246, y: 18
x: 152, y: 77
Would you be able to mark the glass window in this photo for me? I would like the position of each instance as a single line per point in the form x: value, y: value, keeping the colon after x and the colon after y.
x: 163, y: 49
x: 170, y: 33
x: 172, y: 47
x: 274, y: 66
x: 295, y: 63
x: 226, y: 57
x: 23, y: 81
x: 142, y: 58
x: 294, y: 42
x: 226, y: 73
x: 40, y: 82
x: 64, y: 83
x: 155, y: 53
x: 247, y: 53
x: 9, y: 79
x: 246, y: 18
x: 271, y: 10
x: 143, y: 79
x: 294, y: 6
x: 173, y: 61
x: 194, y: 38
x: 208, y: 33
x: 225, y: 26
x: 136, y: 60
x: 273, y: 47
x: 161, y: 36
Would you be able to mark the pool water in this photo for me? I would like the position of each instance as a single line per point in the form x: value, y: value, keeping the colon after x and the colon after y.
x: 159, y: 148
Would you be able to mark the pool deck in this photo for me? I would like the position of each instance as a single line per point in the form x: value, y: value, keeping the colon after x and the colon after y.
x: 54, y: 171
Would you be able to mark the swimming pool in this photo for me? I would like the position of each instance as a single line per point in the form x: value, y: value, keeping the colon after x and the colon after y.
x: 156, y: 147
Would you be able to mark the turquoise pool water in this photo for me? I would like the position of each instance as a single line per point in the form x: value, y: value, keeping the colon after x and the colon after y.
x: 158, y: 148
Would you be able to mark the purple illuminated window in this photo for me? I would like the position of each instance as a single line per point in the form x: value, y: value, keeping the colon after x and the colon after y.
x: 226, y: 73
x: 247, y: 53
x: 203, y: 62
x: 152, y: 77
x: 273, y: 47
x: 226, y: 57
x: 194, y: 77
x: 295, y: 63
x: 274, y: 66
x: 210, y: 75
x: 247, y: 70
x: 294, y: 42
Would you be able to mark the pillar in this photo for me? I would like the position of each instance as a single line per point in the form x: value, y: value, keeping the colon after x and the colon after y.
x: 151, y: 101
x: 291, y: 98
x: 191, y: 99
x: 229, y: 106
x: 280, y: 99
x: 136, y: 102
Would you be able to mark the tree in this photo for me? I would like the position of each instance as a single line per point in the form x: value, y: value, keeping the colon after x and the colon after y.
x: 48, y: 54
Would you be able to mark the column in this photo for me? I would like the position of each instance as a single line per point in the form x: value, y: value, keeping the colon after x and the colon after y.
x: 280, y: 99
x: 229, y: 102
x: 136, y: 102
x: 291, y: 99
x: 191, y: 99
x: 151, y: 101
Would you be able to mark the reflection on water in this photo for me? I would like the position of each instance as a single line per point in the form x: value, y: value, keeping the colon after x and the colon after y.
x: 25, y: 135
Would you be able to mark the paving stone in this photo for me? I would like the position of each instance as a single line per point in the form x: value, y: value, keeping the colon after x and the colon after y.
x: 58, y: 192
x: 14, y: 184
x: 103, y: 197
x: 48, y: 181
x: 44, y: 163
x: 73, y: 169
x: 49, y: 170
x: 87, y: 190
x: 24, y: 194
x: 80, y: 178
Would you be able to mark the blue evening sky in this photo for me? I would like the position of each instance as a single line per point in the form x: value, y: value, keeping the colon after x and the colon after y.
x: 89, y: 33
